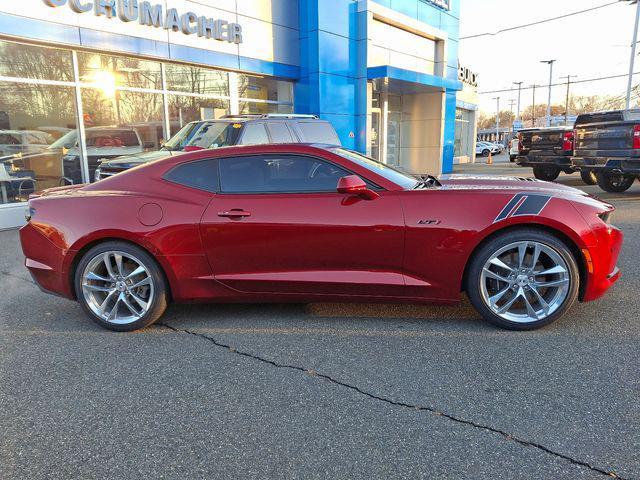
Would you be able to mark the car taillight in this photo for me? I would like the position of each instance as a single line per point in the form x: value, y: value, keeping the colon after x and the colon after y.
x: 520, y: 145
x: 567, y: 141
x: 636, y: 136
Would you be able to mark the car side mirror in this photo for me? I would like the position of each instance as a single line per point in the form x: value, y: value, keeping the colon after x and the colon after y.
x: 354, y: 185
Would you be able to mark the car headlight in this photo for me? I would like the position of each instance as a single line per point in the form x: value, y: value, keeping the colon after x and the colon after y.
x: 97, y: 176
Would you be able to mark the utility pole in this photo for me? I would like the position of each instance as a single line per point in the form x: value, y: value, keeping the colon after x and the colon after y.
x: 497, y: 99
x: 634, y: 42
x: 519, y: 91
x: 533, y: 110
x: 566, y: 107
x: 511, y: 120
x: 550, y: 63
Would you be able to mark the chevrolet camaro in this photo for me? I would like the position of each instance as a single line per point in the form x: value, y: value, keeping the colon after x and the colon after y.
x: 309, y: 223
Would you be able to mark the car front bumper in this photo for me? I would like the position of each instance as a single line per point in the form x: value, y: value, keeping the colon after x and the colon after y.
x: 601, y: 262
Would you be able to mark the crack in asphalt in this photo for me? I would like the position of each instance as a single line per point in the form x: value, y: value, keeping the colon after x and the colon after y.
x: 435, y: 411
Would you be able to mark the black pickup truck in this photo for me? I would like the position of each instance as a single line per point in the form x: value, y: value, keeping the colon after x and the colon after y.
x: 548, y: 151
x: 609, y: 144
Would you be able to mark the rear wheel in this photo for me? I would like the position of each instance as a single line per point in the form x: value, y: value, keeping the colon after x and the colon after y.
x: 523, y: 280
x: 120, y: 286
x: 548, y: 174
x: 588, y: 177
x: 614, y: 182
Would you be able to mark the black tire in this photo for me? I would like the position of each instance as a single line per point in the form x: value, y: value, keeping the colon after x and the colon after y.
x: 589, y: 177
x: 485, y: 152
x: 614, y: 182
x: 548, y: 174
x: 160, y: 296
x: 477, y: 262
x: 512, y: 158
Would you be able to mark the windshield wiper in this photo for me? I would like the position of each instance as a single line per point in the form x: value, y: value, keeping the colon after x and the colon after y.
x: 427, y: 181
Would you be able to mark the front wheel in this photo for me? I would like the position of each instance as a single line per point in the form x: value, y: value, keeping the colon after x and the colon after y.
x: 548, y: 174
x: 120, y: 286
x: 485, y: 153
x: 614, y: 182
x: 523, y: 280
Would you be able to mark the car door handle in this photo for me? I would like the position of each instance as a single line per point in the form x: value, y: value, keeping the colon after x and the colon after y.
x: 235, y: 213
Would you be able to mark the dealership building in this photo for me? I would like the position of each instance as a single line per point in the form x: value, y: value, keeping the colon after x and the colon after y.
x: 81, y: 79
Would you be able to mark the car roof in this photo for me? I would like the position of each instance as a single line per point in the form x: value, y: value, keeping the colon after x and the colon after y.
x: 244, y: 118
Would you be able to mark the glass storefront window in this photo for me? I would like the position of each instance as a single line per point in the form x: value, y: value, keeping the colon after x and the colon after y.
x: 31, y: 118
x: 263, y: 107
x: 29, y: 61
x: 123, y: 110
x: 116, y: 123
x: 184, y: 109
x: 108, y: 72
x: 261, y: 88
x: 204, y: 81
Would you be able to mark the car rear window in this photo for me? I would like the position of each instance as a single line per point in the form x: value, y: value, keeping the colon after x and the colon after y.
x: 112, y: 138
x: 202, y: 174
x: 318, y: 132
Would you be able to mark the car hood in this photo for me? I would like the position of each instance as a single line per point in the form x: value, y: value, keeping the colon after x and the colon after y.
x: 496, y: 182
x: 130, y: 161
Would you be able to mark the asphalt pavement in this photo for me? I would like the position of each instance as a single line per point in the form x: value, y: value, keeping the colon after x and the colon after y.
x: 322, y: 391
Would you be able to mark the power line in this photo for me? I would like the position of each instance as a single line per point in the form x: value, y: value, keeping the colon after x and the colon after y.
x: 562, y: 83
x: 539, y: 21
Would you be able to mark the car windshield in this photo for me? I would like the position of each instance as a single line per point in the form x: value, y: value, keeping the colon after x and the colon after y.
x: 390, y: 173
x: 68, y: 140
x: 205, y: 135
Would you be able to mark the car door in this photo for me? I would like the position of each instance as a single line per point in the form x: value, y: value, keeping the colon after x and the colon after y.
x: 278, y: 225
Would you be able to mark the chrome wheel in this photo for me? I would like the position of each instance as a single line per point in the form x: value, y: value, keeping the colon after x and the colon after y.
x: 525, y: 282
x: 117, y: 287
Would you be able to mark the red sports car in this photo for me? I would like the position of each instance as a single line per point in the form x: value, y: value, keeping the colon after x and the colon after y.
x: 304, y: 223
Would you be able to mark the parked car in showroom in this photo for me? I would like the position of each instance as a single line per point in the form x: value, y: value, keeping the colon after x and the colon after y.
x: 305, y: 223
x: 101, y: 143
x: 232, y: 130
x: 23, y: 142
x: 484, y: 148
x: 608, y: 143
x: 548, y: 151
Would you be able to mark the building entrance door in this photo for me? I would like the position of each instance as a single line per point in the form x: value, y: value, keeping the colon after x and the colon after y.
x: 386, y: 114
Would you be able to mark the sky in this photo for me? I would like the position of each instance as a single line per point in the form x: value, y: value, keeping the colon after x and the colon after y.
x: 589, y: 45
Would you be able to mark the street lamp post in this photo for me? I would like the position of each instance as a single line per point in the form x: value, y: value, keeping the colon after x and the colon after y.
x: 550, y: 63
x: 634, y: 42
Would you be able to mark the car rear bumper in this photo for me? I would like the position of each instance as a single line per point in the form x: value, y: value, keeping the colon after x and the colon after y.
x: 601, y: 261
x: 45, y: 261
x: 607, y: 164
x: 547, y: 161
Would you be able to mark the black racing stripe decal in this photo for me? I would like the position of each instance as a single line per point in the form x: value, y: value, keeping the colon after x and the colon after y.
x: 523, y: 204
x: 508, y: 208
x: 533, y: 205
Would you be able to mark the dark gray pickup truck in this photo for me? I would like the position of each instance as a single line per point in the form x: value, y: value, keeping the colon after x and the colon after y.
x: 548, y: 151
x: 609, y: 144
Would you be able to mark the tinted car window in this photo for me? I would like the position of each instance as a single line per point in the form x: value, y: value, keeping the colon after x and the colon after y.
x: 254, y: 134
x: 202, y: 175
x: 318, y: 132
x: 279, y: 133
x: 112, y: 138
x: 278, y: 174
